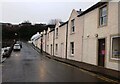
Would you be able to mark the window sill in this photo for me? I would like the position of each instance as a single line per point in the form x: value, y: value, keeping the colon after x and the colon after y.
x: 100, y: 26
x: 116, y: 59
x: 72, y: 33
x: 72, y: 55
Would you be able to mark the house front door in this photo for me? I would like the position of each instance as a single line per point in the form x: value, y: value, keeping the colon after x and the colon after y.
x: 101, y: 52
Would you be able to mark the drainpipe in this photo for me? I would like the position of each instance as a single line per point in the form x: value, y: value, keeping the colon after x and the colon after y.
x: 66, y: 40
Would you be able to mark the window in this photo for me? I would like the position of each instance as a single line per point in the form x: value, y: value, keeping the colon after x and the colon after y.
x: 72, y: 26
x: 72, y: 48
x: 56, y: 49
x: 51, y: 49
x: 115, y: 47
x: 103, y: 16
x: 56, y: 32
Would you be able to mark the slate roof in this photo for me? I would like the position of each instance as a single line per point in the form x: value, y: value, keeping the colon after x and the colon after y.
x: 92, y: 8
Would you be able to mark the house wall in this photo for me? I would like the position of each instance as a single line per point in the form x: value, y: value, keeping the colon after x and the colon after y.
x: 44, y: 44
x: 62, y: 41
x: 50, y: 42
x: 75, y: 37
x: 90, y: 41
x: 56, y: 40
x: 39, y: 43
x: 85, y: 36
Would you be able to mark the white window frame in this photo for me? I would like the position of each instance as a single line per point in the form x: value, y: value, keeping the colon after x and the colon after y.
x: 56, y: 32
x: 72, y: 26
x: 111, y: 57
x: 72, y: 54
x: 56, y: 49
x: 100, y: 16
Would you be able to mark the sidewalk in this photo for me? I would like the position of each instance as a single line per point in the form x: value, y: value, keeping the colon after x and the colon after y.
x: 109, y: 73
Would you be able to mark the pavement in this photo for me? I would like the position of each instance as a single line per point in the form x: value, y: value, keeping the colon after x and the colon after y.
x: 28, y: 65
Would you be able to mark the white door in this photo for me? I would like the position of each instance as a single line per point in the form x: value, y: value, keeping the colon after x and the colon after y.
x: 62, y: 50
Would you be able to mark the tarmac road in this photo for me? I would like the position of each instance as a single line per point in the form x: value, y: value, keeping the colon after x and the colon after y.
x: 28, y: 65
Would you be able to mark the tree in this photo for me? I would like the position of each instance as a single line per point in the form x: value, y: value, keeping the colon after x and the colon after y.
x: 54, y: 21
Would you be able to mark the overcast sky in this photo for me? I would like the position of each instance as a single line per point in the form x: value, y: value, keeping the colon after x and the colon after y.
x: 36, y: 11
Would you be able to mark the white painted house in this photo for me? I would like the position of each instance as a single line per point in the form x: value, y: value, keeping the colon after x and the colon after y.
x: 75, y: 33
x: 101, y: 36
x: 90, y: 37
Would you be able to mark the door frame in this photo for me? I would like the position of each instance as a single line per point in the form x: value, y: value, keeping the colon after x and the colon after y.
x: 105, y: 58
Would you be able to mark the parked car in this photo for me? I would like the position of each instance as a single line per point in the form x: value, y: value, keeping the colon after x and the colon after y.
x: 5, y: 52
x: 16, y: 47
x: 19, y: 42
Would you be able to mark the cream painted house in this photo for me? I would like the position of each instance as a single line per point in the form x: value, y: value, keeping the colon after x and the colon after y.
x: 49, y: 39
x: 75, y: 33
x: 60, y: 40
x: 91, y: 37
x: 44, y: 40
x: 51, y: 45
x: 56, y: 40
x: 101, y: 37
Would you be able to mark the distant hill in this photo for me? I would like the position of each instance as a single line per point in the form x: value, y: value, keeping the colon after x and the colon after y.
x: 22, y: 31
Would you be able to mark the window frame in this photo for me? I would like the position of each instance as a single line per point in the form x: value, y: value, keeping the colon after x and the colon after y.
x: 56, y: 32
x: 72, y: 26
x: 56, y: 49
x: 72, y: 50
x: 111, y: 50
x: 101, y: 25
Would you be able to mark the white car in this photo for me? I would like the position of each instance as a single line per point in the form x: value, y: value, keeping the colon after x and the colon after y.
x: 16, y: 47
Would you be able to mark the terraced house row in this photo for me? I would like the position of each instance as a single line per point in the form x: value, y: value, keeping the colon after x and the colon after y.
x: 91, y: 36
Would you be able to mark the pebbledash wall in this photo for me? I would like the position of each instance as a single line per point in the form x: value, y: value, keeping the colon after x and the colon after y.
x: 78, y: 38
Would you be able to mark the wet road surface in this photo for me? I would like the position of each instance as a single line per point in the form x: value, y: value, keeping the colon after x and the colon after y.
x: 30, y: 66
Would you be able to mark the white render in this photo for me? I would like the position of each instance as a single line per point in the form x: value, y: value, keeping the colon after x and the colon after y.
x: 75, y: 37
x: 56, y: 40
x: 44, y: 40
x: 51, y: 33
x: 62, y: 41
x: 85, y: 38
x: 91, y: 28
